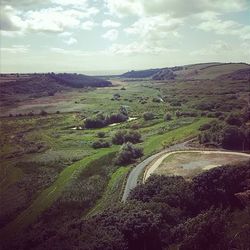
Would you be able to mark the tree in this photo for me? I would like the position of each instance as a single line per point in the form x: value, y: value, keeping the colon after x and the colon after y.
x: 148, y: 116
x: 167, y: 117
x: 128, y: 154
x: 123, y: 136
x: 234, y: 120
x: 232, y: 138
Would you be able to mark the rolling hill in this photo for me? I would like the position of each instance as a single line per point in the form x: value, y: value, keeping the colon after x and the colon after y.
x: 203, y: 71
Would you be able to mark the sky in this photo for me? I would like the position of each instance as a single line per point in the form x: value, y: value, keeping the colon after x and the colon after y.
x: 98, y: 36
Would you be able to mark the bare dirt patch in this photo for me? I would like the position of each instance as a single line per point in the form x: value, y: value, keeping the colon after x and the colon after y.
x: 190, y: 164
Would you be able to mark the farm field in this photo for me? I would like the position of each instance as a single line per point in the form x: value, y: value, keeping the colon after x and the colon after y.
x: 52, y: 172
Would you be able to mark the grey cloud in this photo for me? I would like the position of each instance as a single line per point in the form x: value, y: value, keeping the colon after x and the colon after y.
x: 6, y: 24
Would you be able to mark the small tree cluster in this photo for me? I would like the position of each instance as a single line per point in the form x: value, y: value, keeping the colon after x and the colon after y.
x: 167, y: 117
x: 123, y: 136
x: 148, y: 116
x: 101, y: 144
x: 128, y: 154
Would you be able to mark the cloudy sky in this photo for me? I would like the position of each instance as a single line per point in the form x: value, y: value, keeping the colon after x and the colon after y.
x: 109, y: 35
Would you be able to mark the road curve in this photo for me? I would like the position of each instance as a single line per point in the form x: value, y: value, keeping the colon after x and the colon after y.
x: 132, y: 180
x: 138, y: 170
x: 152, y: 167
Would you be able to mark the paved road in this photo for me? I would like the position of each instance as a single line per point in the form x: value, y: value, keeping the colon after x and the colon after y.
x: 152, y: 167
x: 132, y: 180
x: 138, y: 170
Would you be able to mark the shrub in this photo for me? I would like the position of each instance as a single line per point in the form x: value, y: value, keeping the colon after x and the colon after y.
x: 101, y: 134
x: 94, y: 123
x: 234, y: 120
x: 123, y: 136
x: 128, y: 154
x: 232, y: 138
x: 205, y: 127
x: 43, y: 113
x: 148, y: 116
x: 167, y: 117
x: 116, y: 118
x: 101, y: 144
x: 157, y: 99
x: 132, y: 136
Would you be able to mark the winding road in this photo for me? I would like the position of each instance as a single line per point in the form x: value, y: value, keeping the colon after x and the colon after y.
x: 138, y: 170
x: 149, y: 165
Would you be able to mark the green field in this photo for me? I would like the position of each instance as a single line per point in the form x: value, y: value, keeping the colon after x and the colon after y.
x: 47, y: 166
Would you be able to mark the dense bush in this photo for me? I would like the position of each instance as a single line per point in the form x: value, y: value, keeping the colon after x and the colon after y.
x: 116, y: 118
x: 100, y: 121
x: 234, y: 120
x: 205, y: 126
x: 224, y: 135
x: 101, y: 144
x: 233, y: 138
x: 167, y: 117
x: 101, y: 134
x: 123, y: 136
x: 148, y: 116
x: 128, y: 154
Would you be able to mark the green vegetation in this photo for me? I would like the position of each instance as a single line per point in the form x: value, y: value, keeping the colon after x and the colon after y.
x: 128, y: 154
x: 58, y: 164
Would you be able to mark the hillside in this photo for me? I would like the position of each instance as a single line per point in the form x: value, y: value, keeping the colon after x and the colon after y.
x: 140, y: 73
x: 202, y: 71
x: 37, y: 85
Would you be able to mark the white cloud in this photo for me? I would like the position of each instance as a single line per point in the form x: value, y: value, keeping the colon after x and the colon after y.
x: 123, y: 8
x: 88, y: 25
x: 14, y: 49
x: 75, y: 53
x: 65, y: 34
x: 138, y: 48
x: 110, y: 24
x: 9, y: 19
x: 111, y: 35
x: 70, y: 41
x: 156, y: 32
x: 177, y: 8
x: 78, y: 4
x: 218, y: 47
x: 226, y: 27
x: 52, y: 19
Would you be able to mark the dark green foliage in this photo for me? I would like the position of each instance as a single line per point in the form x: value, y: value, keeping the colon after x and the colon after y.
x: 101, y: 134
x: 233, y: 138
x: 205, y: 127
x: 95, y: 122
x: 219, y: 133
x: 43, y: 112
x: 100, y: 121
x: 234, y: 120
x: 140, y: 73
x: 167, y: 117
x: 217, y: 186
x: 123, y: 136
x: 101, y: 144
x: 79, y: 80
x: 148, y: 116
x: 207, y: 231
x: 116, y: 118
x: 128, y: 154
